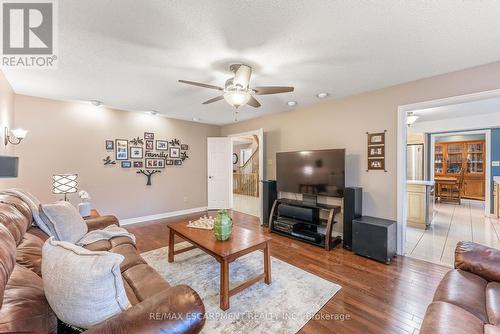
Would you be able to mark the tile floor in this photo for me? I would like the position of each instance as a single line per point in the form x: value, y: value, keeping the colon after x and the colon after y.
x: 451, y: 224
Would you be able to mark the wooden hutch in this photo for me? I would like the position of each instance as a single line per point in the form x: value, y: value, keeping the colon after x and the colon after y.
x: 451, y: 157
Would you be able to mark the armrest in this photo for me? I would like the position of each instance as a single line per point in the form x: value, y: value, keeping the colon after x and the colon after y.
x: 178, y: 309
x: 478, y: 259
x: 101, y: 222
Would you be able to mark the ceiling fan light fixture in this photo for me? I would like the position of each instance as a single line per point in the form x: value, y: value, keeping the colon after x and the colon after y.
x: 237, y: 97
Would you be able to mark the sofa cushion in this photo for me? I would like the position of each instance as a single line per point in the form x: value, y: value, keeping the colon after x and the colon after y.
x: 83, y: 287
x: 107, y: 245
x: 464, y: 290
x: 445, y: 318
x: 490, y: 329
x: 64, y: 219
x: 7, y: 258
x: 29, y: 252
x: 144, y: 281
x: 14, y: 221
x: 493, y: 303
x: 25, y: 309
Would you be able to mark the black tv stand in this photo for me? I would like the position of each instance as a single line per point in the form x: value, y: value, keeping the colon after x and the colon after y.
x: 318, y: 233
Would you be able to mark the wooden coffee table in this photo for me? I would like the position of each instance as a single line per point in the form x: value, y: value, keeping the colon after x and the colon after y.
x: 241, y: 242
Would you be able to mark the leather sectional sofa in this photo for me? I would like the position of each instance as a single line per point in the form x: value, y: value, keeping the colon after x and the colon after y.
x: 467, y: 300
x: 23, y: 307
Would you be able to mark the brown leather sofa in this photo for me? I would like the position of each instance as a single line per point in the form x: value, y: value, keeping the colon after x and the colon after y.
x: 467, y: 299
x: 24, y: 309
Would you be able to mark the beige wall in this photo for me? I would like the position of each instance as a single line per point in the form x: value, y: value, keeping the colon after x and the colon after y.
x: 6, y: 119
x: 69, y: 137
x: 342, y: 123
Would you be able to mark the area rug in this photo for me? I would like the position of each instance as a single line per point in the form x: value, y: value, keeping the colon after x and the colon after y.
x: 285, y: 306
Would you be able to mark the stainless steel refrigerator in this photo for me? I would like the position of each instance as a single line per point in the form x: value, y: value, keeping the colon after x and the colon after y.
x: 415, y: 162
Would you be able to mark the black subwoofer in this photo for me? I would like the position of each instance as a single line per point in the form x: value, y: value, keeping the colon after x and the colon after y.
x: 269, y: 195
x: 353, y: 208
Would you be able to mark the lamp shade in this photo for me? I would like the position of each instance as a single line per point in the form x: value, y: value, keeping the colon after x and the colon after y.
x: 64, y: 183
x: 8, y: 166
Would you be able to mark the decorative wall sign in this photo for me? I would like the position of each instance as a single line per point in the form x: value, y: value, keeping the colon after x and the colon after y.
x: 110, y: 145
x: 150, y: 155
x: 121, y: 149
x: 137, y: 141
x: 108, y: 161
x: 161, y: 145
x: 148, y: 174
x: 376, y: 151
x: 136, y: 152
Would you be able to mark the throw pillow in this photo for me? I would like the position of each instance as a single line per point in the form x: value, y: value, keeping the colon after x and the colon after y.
x: 82, y: 287
x: 64, y: 219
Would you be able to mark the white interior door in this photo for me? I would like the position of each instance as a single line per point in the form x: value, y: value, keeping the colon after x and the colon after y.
x: 219, y: 172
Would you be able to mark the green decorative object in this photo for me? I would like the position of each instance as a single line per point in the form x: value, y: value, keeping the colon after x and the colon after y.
x: 223, y: 225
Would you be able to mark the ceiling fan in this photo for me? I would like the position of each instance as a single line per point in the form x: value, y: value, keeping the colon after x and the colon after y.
x: 236, y: 91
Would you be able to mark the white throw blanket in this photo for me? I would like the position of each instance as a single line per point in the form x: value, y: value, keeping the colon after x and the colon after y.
x: 111, y: 231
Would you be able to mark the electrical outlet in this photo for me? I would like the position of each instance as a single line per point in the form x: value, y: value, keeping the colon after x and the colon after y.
x: 495, y: 163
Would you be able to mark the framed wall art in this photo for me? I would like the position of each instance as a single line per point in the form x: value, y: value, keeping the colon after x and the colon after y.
x: 110, y: 145
x: 121, y: 149
x: 149, y: 136
x: 126, y: 164
x: 170, y: 162
x: 161, y: 145
x: 376, y: 151
x: 149, y: 145
x: 136, y: 152
x: 184, y: 147
x: 177, y: 162
x: 155, y: 163
x: 175, y: 152
x: 138, y: 164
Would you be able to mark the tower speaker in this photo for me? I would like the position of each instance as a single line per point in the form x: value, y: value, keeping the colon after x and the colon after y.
x: 353, y: 208
x: 269, y: 195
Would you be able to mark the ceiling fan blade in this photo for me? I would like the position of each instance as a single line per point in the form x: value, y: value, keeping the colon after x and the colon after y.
x: 200, y: 84
x: 253, y: 102
x: 272, y: 90
x: 215, y: 99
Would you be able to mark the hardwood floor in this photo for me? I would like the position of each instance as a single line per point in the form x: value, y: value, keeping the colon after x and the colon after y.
x: 375, y: 298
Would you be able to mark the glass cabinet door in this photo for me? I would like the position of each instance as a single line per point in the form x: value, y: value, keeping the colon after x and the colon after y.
x: 455, y: 158
x: 475, y: 158
x: 438, y: 159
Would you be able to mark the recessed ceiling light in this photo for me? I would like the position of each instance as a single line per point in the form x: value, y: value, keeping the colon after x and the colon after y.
x: 196, y: 119
x: 321, y: 95
x: 291, y: 103
x: 96, y: 103
x: 151, y: 112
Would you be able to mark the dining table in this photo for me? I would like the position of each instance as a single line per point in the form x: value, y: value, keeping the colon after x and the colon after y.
x: 448, y: 181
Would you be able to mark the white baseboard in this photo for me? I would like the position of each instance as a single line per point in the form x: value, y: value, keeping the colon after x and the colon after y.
x: 164, y: 215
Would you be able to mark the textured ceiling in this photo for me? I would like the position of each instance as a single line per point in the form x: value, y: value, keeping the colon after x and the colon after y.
x: 130, y: 54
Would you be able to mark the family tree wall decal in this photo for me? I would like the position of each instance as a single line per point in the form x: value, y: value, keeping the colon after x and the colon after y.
x: 148, y: 155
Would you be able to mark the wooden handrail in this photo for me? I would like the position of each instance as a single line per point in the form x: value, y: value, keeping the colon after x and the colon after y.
x: 246, y: 184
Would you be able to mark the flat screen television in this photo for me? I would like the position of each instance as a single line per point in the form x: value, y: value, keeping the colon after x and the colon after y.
x: 319, y: 172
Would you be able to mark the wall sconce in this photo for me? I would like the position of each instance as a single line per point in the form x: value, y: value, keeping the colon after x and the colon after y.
x: 17, y: 136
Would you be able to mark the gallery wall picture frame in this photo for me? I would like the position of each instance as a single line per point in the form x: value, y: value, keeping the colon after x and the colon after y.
x: 110, y: 145
x: 150, y: 145
x: 376, y: 151
x: 121, y: 149
x: 184, y: 147
x: 149, y: 135
x: 376, y: 164
x: 154, y: 163
x: 161, y: 145
x: 136, y: 152
x: 138, y: 164
x: 126, y: 164
x: 177, y: 162
x: 170, y: 162
x: 174, y: 152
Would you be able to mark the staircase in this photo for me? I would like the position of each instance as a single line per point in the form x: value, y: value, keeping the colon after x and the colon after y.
x: 246, y: 177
